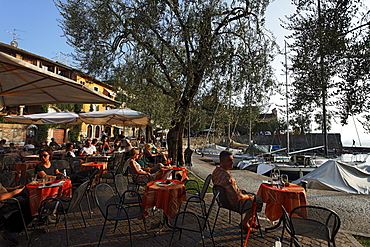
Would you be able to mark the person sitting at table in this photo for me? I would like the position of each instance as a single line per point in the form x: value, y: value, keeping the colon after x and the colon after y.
x: 150, y: 156
x: 29, y: 145
x: 153, y: 168
x: 45, y: 167
x: 117, y: 145
x: 88, y: 149
x: 11, y: 147
x: 125, y: 143
x: 104, y: 146
x: 221, y: 176
x: 2, y: 144
x: 53, y: 144
x: 13, y: 224
x: 137, y: 170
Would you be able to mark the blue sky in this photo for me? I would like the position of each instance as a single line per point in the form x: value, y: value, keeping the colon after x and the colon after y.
x: 36, y: 23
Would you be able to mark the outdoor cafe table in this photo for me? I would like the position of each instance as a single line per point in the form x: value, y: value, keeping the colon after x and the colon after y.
x: 167, y: 197
x: 31, y: 157
x: 91, y: 165
x: 99, y: 158
x: 289, y: 196
x: 39, y: 192
x: 24, y: 166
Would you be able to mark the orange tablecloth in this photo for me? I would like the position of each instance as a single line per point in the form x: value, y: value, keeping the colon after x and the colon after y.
x: 168, y: 198
x: 36, y: 195
x: 24, y: 166
x: 290, y: 197
x: 91, y: 165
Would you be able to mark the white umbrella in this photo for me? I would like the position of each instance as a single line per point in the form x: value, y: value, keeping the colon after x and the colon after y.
x: 121, y: 116
x: 22, y: 83
x: 64, y: 117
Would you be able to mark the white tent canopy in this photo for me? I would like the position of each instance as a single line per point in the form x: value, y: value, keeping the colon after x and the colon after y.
x: 121, y: 116
x: 22, y: 83
x: 336, y: 175
x: 64, y: 117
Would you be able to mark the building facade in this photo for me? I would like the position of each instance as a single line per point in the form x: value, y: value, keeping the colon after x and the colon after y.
x: 61, y: 135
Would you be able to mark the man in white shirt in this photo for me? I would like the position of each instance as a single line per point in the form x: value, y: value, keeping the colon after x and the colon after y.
x: 88, y: 149
x: 29, y: 145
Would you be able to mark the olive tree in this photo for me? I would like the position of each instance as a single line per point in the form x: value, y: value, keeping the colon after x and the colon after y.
x: 175, y: 47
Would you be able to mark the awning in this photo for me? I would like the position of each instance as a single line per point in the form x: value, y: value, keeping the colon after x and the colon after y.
x: 22, y: 83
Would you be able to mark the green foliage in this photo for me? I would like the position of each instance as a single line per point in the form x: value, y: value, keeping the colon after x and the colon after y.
x: 162, y: 54
x: 364, y: 241
x: 330, y: 56
x: 42, y: 131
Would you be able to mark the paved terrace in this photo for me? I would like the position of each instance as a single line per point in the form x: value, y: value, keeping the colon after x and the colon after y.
x: 225, y: 234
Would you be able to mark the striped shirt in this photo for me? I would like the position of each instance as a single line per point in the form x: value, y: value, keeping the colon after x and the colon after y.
x: 222, y: 177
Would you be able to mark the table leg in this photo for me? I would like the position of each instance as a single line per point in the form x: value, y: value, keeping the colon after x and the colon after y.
x: 275, y: 226
x: 162, y: 224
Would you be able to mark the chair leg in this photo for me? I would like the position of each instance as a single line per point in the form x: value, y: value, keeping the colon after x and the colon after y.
x: 229, y: 216
x: 102, y: 231
x: 65, y: 224
x: 24, y: 223
x: 214, y: 224
x: 210, y: 232
x: 82, y: 215
x: 88, y: 204
x: 173, y: 233
x: 115, y: 226
x: 129, y: 230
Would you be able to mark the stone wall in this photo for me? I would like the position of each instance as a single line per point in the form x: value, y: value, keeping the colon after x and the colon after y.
x: 15, y: 133
x: 295, y: 141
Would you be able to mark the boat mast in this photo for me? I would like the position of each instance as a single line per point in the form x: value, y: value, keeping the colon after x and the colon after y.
x: 286, y: 100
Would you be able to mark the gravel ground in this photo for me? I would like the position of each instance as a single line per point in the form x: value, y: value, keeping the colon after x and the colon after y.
x: 353, y: 209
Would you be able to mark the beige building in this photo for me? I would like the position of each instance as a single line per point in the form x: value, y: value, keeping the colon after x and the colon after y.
x: 60, y: 134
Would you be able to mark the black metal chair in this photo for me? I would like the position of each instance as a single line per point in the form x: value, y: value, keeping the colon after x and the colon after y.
x: 11, y: 202
x: 60, y: 206
x: 190, y: 221
x: 223, y: 202
x: 8, y: 179
x: 112, y: 210
x: 287, y: 225
x: 116, y: 167
x: 122, y: 185
x: 314, y: 222
x: 199, y: 195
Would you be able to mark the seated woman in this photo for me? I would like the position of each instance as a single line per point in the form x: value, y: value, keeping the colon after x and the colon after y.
x: 137, y: 170
x: 45, y: 167
x: 69, y: 151
x: 153, y: 157
x: 104, y: 146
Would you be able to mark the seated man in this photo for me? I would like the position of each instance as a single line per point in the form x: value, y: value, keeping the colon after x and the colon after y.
x: 221, y: 176
x: 13, y: 224
x: 88, y: 149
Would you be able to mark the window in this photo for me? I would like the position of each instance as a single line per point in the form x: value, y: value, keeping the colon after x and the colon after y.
x: 97, y: 131
x: 89, y: 131
x: 96, y: 89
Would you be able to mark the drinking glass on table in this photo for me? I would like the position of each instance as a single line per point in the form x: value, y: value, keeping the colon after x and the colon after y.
x: 284, y: 179
x: 275, y: 176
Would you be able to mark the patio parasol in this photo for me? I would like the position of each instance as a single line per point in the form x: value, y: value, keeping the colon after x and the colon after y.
x: 121, y: 116
x: 22, y: 83
x: 64, y: 117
